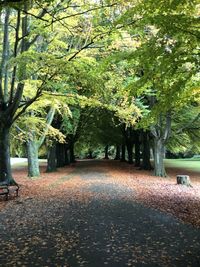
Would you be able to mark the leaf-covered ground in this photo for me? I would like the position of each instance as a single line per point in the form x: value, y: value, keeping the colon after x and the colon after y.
x: 104, y: 213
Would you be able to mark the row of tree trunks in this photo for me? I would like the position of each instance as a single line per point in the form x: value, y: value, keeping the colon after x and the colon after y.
x: 142, y: 160
x: 140, y: 140
x: 120, y: 153
x: 60, y: 155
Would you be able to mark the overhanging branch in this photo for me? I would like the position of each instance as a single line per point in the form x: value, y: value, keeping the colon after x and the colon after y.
x: 28, y: 103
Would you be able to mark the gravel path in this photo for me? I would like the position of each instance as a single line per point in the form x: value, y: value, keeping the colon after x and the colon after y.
x: 97, y: 226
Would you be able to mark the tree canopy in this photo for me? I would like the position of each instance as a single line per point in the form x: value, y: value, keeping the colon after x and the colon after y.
x: 98, y: 71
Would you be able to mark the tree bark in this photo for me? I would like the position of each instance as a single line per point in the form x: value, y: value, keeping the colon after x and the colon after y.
x: 106, y: 152
x: 128, y: 135
x: 129, y: 146
x: 161, y: 133
x: 123, y: 154
x: 71, y: 151
x: 60, y: 155
x: 33, y: 162
x: 5, y: 55
x: 5, y: 164
x: 146, y: 164
x: 159, y: 148
x: 51, y: 158
x: 117, y: 155
x: 67, y: 160
x: 90, y: 154
x: 137, y: 148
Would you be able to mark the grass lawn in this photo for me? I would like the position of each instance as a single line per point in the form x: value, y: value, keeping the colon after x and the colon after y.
x: 191, y: 164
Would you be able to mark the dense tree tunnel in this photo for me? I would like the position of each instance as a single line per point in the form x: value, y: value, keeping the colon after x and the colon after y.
x: 92, y: 80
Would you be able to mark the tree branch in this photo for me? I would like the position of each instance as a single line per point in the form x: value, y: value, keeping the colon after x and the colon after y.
x: 78, y: 13
x: 167, y: 131
x: 5, y: 49
x: 49, y: 120
x: 15, y: 55
x: 81, y: 49
x: 39, y: 16
x: 28, y: 103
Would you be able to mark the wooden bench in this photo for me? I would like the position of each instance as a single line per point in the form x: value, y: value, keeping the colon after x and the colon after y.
x: 8, y: 190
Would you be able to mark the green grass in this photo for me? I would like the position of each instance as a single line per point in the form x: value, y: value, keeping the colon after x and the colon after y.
x: 191, y: 164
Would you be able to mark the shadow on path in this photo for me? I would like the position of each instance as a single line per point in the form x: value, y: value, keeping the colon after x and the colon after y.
x: 100, y: 228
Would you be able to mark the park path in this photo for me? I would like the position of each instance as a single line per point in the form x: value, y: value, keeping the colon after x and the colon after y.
x: 94, y: 225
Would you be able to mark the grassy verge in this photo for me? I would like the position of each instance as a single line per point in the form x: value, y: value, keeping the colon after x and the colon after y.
x: 191, y: 164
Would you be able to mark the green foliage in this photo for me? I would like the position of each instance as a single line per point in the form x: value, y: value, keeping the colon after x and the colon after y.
x: 126, y: 63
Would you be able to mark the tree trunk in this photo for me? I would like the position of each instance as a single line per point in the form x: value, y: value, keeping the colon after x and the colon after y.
x: 146, y: 164
x: 137, y: 148
x: 60, y: 155
x: 51, y: 158
x: 90, y: 154
x: 151, y: 153
x: 129, y: 138
x: 106, y: 152
x: 5, y: 55
x: 123, y: 154
x: 33, y: 162
x: 129, y: 146
x: 159, y: 169
x: 71, y: 153
x: 67, y: 160
x: 117, y: 156
x: 5, y: 164
x: 161, y: 133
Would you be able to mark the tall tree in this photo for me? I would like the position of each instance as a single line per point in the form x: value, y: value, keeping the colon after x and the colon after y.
x: 10, y: 98
x: 167, y: 56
